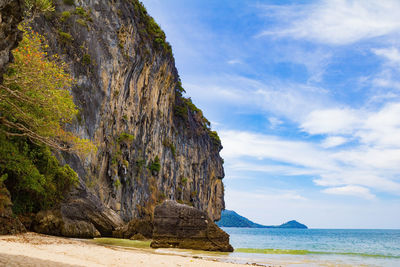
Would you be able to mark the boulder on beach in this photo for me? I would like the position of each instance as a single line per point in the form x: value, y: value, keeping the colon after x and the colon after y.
x: 135, y: 228
x: 181, y: 226
x: 82, y: 215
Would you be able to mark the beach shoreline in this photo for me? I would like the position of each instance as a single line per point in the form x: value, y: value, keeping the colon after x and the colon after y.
x: 32, y: 249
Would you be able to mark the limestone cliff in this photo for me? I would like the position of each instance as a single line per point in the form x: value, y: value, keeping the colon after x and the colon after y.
x: 10, y: 16
x: 153, y: 144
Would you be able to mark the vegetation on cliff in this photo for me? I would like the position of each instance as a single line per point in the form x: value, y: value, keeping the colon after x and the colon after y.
x: 36, y: 102
x: 32, y: 8
x: 35, y: 108
x: 150, y: 28
x: 184, y: 106
x: 32, y: 174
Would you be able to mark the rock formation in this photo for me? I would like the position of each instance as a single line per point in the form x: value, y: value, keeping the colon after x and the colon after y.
x: 134, y: 229
x: 9, y: 224
x: 153, y: 144
x: 81, y: 215
x: 181, y: 226
x: 10, y: 16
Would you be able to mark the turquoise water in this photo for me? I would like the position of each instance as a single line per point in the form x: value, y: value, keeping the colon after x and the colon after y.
x: 353, y: 247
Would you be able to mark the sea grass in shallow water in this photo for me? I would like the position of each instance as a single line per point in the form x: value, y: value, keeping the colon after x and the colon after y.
x: 122, y: 242
x: 308, y: 252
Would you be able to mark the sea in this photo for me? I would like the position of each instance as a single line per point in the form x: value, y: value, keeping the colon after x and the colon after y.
x: 315, y: 247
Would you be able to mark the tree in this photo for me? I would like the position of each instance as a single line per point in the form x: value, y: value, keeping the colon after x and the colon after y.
x: 35, y: 101
x: 33, y: 175
x: 33, y: 8
x: 35, y: 108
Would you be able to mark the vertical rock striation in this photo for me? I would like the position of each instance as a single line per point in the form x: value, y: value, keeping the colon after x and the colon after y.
x: 153, y: 144
x: 10, y: 16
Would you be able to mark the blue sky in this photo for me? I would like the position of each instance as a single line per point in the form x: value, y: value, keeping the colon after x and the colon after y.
x: 305, y: 96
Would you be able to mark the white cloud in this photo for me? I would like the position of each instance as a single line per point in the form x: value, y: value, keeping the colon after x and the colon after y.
x: 291, y: 100
x: 382, y: 128
x: 387, y: 79
x: 333, y: 141
x: 234, y: 61
x: 350, y: 190
x: 315, y: 61
x: 391, y: 54
x: 236, y: 166
x: 371, y: 160
x: 369, y: 167
x: 337, y: 22
x: 330, y: 121
x: 274, y: 122
x: 244, y: 144
x: 373, y: 128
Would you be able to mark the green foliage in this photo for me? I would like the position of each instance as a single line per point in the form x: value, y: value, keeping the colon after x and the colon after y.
x: 80, y: 11
x: 83, y: 13
x: 33, y: 8
x: 125, y: 138
x: 86, y: 59
x: 170, y: 145
x: 35, y: 107
x: 191, y: 106
x: 114, y: 160
x: 35, y: 100
x: 184, y: 105
x: 35, y: 179
x: 65, y: 16
x: 214, y: 137
x: 140, y: 162
x: 155, y: 165
x: 151, y: 28
x: 82, y: 22
x: 125, y: 163
x: 184, y: 180
x: 179, y: 89
x: 117, y: 183
x: 65, y: 37
x: 181, y: 111
x: 69, y: 2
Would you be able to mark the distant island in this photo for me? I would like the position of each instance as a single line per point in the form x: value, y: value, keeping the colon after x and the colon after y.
x: 229, y: 218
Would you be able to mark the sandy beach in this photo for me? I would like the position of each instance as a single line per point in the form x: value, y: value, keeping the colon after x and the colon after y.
x: 33, y: 249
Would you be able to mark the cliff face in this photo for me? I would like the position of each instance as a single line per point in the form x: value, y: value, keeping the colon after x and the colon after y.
x: 10, y: 16
x: 152, y: 143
